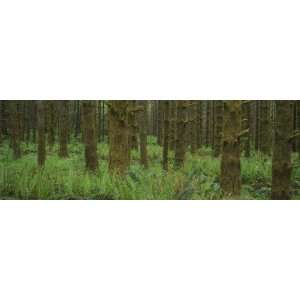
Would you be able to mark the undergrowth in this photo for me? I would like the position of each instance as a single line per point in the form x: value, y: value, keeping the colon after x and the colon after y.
x: 68, y: 179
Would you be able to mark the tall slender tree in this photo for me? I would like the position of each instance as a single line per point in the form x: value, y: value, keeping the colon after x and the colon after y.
x: 63, y: 107
x: 193, y: 126
x: 246, y: 125
x: 166, y: 135
x: 172, y: 138
x: 160, y: 121
x: 1, y: 122
x: 14, y: 129
x: 265, y: 127
x: 218, y: 127
x: 51, y: 110
x: 41, y: 127
x: 143, y: 133
x: 199, y: 123
x: 89, y: 109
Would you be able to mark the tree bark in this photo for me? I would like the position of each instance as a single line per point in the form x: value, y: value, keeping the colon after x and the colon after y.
x: 51, y: 123
x: 41, y: 127
x: 199, y: 123
x: 143, y: 134
x: 265, y: 127
x: 166, y: 135
x: 181, y: 132
x: 89, y: 109
x: 193, y: 127
x: 281, y: 162
x: 160, y: 121
x: 14, y: 129
x: 172, y: 134
x: 230, y: 161
x: 218, y: 107
x: 63, y: 128
x: 119, y: 154
x: 133, y: 128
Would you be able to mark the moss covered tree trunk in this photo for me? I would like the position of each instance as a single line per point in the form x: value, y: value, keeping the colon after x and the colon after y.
x: 14, y: 129
x: 281, y: 162
x: 119, y: 154
x: 181, y: 132
x: 41, y: 128
x: 166, y: 135
x: 143, y: 133
x: 89, y: 109
x: 218, y: 128
x: 63, y: 107
x: 230, y: 163
x: 265, y: 127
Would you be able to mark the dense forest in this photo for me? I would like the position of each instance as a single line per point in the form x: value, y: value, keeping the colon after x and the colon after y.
x: 150, y: 149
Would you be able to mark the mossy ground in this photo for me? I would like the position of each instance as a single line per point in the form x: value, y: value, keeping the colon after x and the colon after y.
x: 67, y: 178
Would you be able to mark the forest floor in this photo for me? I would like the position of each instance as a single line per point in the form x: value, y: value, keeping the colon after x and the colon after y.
x: 67, y: 178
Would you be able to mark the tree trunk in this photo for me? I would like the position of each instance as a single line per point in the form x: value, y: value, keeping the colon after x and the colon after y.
x: 77, y: 119
x: 265, y: 128
x: 14, y: 129
x: 212, y: 123
x: 119, y: 154
x: 193, y: 126
x: 281, y: 162
x: 257, y: 125
x: 218, y: 107
x: 34, y: 120
x: 41, y: 127
x: 247, y: 126
x: 133, y: 128
x: 181, y: 132
x: 199, y: 123
x: 143, y: 134
x: 89, y: 109
x: 166, y: 135
x: 1, y: 122
x: 63, y: 128
x: 21, y: 119
x: 172, y: 134
x: 230, y: 162
x: 51, y: 123
x: 160, y: 122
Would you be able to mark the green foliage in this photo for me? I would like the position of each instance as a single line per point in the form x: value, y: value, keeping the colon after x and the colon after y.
x: 68, y: 179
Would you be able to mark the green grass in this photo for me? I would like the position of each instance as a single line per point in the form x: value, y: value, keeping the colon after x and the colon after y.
x: 68, y: 179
